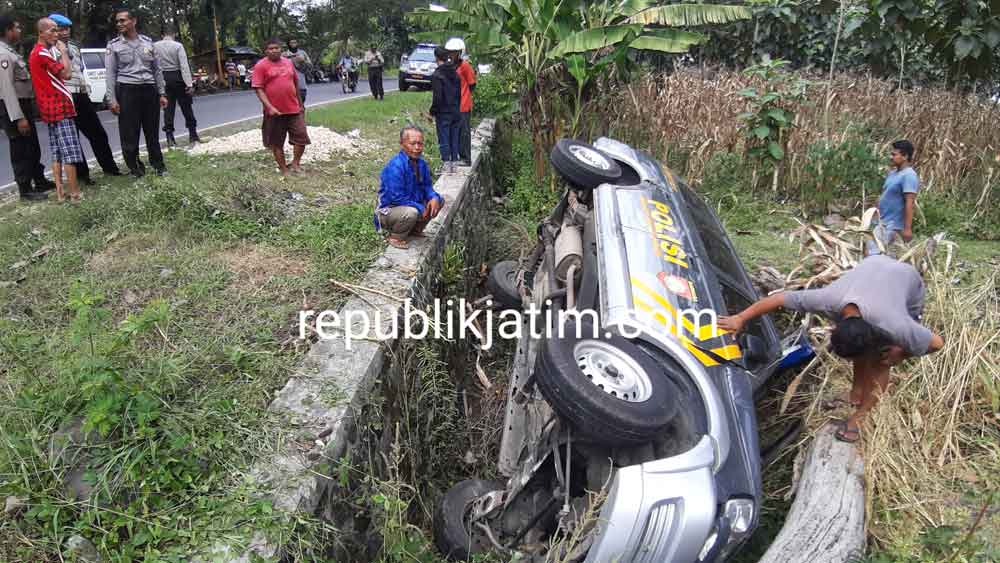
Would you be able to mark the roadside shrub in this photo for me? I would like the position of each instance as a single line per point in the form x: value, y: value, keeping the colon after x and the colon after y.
x: 849, y: 169
x: 495, y: 95
x: 531, y: 198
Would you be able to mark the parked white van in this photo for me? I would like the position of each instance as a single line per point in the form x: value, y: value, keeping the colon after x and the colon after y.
x: 93, y: 65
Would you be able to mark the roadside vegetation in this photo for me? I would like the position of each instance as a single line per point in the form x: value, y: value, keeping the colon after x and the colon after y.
x: 144, y: 331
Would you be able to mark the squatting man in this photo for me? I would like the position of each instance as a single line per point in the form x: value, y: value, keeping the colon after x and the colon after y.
x: 876, y: 307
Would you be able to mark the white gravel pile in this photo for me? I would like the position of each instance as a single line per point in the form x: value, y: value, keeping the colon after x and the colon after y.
x: 325, y: 143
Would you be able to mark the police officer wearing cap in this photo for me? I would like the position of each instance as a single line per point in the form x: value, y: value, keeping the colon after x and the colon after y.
x: 17, y: 115
x: 137, y: 92
x: 87, y: 120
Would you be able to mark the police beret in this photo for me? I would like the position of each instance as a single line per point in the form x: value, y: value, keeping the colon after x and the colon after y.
x: 61, y: 20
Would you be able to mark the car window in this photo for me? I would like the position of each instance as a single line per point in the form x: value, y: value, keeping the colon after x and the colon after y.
x: 712, y: 235
x: 736, y: 301
x: 423, y: 56
x: 93, y: 61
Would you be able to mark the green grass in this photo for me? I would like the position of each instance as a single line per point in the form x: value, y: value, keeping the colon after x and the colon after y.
x: 163, y: 313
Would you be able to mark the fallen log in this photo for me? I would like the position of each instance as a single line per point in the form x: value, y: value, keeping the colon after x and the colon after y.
x: 826, y: 523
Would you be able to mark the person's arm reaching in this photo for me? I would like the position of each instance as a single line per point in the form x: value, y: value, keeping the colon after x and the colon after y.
x: 769, y: 304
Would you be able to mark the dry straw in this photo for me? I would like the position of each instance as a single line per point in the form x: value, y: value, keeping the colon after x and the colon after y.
x: 956, y: 135
x: 936, y: 434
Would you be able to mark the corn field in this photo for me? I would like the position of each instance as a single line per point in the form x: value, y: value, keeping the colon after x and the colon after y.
x: 956, y: 136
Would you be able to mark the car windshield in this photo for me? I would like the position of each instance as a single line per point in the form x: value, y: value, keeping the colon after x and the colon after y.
x: 422, y: 57
x: 93, y: 61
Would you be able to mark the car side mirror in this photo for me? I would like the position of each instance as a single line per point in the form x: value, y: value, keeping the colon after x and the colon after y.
x: 754, y: 349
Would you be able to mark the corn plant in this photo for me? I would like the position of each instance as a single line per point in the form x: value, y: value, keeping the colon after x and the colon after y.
x: 771, y: 117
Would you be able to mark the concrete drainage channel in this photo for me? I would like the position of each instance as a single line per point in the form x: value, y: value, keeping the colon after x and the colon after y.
x: 333, y: 383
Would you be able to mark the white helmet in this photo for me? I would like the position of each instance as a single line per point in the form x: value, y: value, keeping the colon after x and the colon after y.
x: 455, y: 44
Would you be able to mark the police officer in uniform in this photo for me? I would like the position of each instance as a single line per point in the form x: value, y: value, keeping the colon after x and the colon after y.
x: 17, y: 118
x: 172, y: 58
x: 135, y: 81
x: 87, y: 120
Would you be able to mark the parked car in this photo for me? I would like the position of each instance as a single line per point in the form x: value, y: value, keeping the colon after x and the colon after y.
x: 416, y: 68
x: 94, y: 74
x: 653, y: 408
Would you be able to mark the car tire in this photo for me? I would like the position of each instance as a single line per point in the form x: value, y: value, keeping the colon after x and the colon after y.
x: 452, y: 535
x: 574, y: 375
x: 403, y: 86
x: 502, y: 284
x: 583, y: 165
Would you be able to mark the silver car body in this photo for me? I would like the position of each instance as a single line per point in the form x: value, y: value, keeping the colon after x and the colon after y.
x: 663, y: 510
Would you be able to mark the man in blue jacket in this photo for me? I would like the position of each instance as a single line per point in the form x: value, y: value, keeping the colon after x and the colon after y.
x: 406, y: 197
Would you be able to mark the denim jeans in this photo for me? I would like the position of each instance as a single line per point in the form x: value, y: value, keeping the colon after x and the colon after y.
x: 448, y: 126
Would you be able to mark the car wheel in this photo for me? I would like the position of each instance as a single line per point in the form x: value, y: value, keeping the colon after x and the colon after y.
x: 605, y: 387
x: 453, y: 534
x: 502, y: 283
x: 403, y: 86
x: 583, y: 165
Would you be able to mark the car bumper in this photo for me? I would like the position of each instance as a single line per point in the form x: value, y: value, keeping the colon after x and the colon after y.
x: 659, y: 511
x: 415, y: 78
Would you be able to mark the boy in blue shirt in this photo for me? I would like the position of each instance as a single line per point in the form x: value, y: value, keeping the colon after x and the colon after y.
x: 899, y: 198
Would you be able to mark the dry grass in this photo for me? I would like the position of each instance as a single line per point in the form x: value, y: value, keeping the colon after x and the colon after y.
x: 957, y: 141
x: 932, y: 446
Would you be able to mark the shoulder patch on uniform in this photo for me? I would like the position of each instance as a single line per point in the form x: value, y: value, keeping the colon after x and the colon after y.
x: 4, y: 64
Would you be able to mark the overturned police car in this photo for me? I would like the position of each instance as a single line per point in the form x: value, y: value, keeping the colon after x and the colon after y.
x: 635, y: 395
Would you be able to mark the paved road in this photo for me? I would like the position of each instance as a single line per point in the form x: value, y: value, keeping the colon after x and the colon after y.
x: 211, y: 110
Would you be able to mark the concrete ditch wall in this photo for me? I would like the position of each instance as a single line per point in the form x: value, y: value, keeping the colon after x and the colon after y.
x: 333, y: 383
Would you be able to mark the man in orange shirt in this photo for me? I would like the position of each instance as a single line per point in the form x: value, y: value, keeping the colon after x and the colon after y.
x: 467, y: 76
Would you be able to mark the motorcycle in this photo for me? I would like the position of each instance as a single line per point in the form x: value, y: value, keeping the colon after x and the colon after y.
x: 348, y: 80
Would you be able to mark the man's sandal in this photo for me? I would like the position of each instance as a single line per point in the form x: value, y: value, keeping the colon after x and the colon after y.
x: 847, y: 435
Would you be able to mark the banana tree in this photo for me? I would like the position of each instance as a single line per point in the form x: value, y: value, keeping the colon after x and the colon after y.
x: 560, y: 48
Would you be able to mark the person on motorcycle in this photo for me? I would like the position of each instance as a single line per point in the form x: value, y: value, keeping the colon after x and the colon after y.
x: 349, y: 65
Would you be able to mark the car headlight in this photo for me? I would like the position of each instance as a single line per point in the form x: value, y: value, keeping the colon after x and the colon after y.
x: 740, y: 513
x: 735, y: 524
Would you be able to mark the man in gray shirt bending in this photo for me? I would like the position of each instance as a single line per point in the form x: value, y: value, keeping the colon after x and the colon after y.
x: 876, y: 307
x: 179, y: 85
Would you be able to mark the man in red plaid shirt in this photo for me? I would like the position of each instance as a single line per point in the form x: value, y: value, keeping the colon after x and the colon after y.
x: 55, y: 104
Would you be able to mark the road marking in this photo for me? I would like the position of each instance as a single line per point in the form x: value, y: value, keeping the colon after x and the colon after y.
x: 93, y: 161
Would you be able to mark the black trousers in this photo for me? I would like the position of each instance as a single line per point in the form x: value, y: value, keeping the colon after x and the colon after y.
x: 25, y: 152
x: 177, y: 94
x: 465, y: 137
x: 375, y: 82
x: 89, y: 124
x: 140, y: 111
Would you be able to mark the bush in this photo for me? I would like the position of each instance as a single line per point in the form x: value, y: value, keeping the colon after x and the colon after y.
x: 849, y: 169
x: 528, y: 197
x: 495, y: 95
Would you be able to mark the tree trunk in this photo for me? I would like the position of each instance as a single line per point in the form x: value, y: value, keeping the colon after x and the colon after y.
x: 827, y: 521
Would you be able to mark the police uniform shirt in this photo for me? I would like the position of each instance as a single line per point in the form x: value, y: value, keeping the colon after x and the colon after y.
x: 171, y: 57
x: 15, y: 81
x: 132, y: 61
